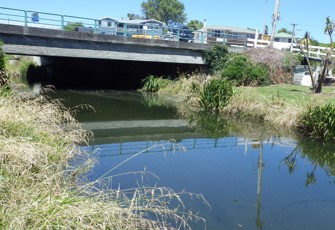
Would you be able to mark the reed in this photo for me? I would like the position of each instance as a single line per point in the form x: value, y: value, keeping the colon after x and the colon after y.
x: 39, y: 189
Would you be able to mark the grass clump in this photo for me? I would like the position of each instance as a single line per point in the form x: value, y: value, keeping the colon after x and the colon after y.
x: 319, y: 122
x: 39, y: 189
x: 153, y: 83
x: 216, y: 94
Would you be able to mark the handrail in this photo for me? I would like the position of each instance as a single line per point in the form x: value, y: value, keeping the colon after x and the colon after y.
x: 59, y: 21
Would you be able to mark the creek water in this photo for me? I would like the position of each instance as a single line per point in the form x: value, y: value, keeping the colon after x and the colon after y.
x: 251, y: 178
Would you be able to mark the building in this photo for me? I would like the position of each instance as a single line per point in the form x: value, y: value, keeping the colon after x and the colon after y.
x: 131, y: 28
x: 228, y: 34
x: 283, y: 37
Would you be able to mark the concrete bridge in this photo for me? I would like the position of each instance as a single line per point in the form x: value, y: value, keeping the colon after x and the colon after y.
x: 73, y: 58
x: 24, y: 40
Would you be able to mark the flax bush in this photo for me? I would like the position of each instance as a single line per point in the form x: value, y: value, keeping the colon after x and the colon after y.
x: 216, y: 94
x: 319, y: 122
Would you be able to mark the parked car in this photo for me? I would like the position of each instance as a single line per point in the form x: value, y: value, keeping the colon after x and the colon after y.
x: 183, y: 33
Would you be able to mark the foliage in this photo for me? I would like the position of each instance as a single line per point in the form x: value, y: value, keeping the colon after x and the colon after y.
x: 284, y: 30
x: 216, y: 94
x: 154, y: 84
x: 71, y: 26
x: 240, y: 69
x: 319, y: 122
x: 132, y: 16
x: 329, y: 29
x: 216, y: 57
x: 280, y: 63
x: 213, y: 126
x: 164, y: 10
x: 195, y: 24
x: 18, y: 70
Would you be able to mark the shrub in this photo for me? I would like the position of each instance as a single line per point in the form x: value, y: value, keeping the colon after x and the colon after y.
x: 154, y: 84
x: 216, y: 94
x: 319, y: 122
x: 240, y: 69
x: 280, y: 63
x: 216, y: 57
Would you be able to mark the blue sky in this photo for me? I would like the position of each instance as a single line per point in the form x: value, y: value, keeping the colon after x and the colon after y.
x: 310, y: 15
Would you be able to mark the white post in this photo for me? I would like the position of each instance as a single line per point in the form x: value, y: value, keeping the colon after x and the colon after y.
x: 256, y: 37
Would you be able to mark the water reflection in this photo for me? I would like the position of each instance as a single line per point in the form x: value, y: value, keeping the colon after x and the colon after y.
x: 254, y: 176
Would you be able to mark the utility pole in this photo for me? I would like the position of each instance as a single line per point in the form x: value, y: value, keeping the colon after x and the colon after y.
x: 275, y: 18
x: 293, y: 32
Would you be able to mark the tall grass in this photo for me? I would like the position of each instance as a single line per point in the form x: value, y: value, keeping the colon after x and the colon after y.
x: 39, y: 189
x: 319, y: 122
x: 154, y: 83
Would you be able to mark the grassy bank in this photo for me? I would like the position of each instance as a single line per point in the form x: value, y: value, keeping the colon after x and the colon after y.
x: 39, y: 189
x: 283, y: 105
x: 280, y: 105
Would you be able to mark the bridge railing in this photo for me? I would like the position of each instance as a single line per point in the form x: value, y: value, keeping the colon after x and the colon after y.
x: 81, y: 24
x: 41, y: 19
x: 317, y: 52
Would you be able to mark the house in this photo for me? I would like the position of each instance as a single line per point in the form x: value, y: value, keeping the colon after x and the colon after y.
x: 131, y: 28
x: 107, y: 26
x: 282, y: 41
x: 283, y: 37
x: 150, y: 27
x: 228, y: 34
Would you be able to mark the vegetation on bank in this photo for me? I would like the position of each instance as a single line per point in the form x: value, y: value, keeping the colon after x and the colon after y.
x: 230, y: 91
x: 41, y: 189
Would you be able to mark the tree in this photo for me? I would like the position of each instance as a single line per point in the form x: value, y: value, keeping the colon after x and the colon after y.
x: 132, y: 16
x: 327, y: 62
x: 329, y: 29
x: 305, y: 43
x: 164, y: 10
x: 195, y: 25
x: 71, y: 26
x: 284, y: 30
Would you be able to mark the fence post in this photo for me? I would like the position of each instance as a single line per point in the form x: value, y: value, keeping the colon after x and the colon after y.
x: 25, y: 18
x: 95, y: 26
x: 125, y: 29
x: 62, y: 22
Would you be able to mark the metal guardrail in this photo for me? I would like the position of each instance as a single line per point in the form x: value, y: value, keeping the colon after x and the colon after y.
x: 60, y: 22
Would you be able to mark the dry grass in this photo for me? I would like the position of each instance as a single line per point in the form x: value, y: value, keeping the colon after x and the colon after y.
x: 40, y: 190
x: 274, y: 111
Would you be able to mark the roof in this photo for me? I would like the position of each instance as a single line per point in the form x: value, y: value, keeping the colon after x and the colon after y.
x: 283, y: 35
x: 135, y: 21
x: 107, y: 19
x: 231, y: 29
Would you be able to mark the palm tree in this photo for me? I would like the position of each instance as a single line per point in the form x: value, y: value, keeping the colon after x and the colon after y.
x: 306, y: 41
x: 327, y: 62
x: 329, y: 29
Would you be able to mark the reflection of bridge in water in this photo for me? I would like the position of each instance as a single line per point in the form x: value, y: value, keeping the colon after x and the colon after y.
x: 159, y: 136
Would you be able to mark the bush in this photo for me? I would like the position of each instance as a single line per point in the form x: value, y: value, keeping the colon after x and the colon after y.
x: 216, y: 57
x: 319, y: 122
x: 154, y: 84
x: 216, y: 94
x: 240, y: 69
x: 280, y: 63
